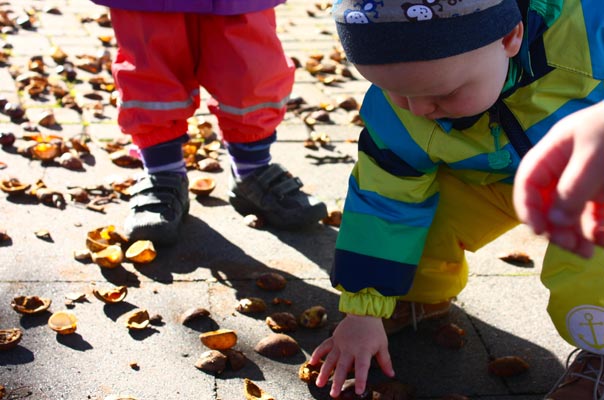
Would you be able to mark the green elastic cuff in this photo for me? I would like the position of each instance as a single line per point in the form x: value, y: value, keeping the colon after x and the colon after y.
x: 367, y: 302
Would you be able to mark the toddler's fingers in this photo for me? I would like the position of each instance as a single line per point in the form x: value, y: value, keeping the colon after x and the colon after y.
x: 325, y: 371
x: 574, y: 193
x: 534, y: 188
x: 320, y: 351
x: 339, y: 376
x: 573, y: 241
x: 383, y: 359
x: 361, y: 369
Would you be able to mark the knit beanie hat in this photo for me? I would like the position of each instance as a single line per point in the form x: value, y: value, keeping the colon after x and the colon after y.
x: 390, y: 31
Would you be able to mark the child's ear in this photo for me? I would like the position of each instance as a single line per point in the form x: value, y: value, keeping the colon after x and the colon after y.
x: 513, y: 40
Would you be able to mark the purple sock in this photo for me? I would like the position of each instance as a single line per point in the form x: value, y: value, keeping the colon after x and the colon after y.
x: 165, y: 157
x: 247, y: 157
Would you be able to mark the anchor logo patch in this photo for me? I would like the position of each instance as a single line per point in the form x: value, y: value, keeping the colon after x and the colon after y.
x: 586, y: 326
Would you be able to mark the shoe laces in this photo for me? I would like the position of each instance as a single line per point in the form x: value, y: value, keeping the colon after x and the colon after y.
x: 589, y: 372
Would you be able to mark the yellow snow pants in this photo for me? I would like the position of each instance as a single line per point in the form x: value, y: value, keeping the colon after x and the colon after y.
x: 470, y: 216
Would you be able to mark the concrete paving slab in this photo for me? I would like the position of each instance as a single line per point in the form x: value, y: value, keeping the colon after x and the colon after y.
x: 218, y: 259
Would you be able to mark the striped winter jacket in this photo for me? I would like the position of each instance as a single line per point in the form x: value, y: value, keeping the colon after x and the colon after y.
x: 218, y: 7
x: 393, y: 193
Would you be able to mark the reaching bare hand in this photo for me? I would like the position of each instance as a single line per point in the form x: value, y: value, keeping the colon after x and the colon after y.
x: 354, y: 342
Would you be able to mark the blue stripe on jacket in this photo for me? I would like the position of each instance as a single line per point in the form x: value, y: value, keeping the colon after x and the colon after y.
x: 385, y: 158
x: 398, y: 212
x: 357, y: 271
x: 595, y: 34
x: 538, y: 130
x: 379, y: 116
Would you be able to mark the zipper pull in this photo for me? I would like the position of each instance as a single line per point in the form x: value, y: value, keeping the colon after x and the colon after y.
x: 499, y: 158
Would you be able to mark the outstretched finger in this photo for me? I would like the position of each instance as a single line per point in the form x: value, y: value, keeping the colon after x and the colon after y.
x: 534, y: 188
x: 385, y: 363
x: 361, y: 370
x: 332, y: 358
x: 321, y: 351
x: 339, y: 376
x: 574, y: 193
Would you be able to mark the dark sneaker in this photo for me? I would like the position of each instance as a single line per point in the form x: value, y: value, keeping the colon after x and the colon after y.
x: 159, y: 203
x: 583, y: 379
x: 408, y: 313
x: 274, y: 194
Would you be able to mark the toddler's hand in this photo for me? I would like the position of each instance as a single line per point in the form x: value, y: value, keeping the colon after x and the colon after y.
x: 559, y: 186
x: 354, y: 342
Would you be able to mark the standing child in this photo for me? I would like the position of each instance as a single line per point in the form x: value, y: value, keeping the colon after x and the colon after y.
x: 462, y: 90
x: 167, y: 49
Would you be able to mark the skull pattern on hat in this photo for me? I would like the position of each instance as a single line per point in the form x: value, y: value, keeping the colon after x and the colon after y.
x: 367, y: 11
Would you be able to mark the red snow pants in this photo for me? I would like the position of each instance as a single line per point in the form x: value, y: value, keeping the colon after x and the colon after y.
x: 163, y: 59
